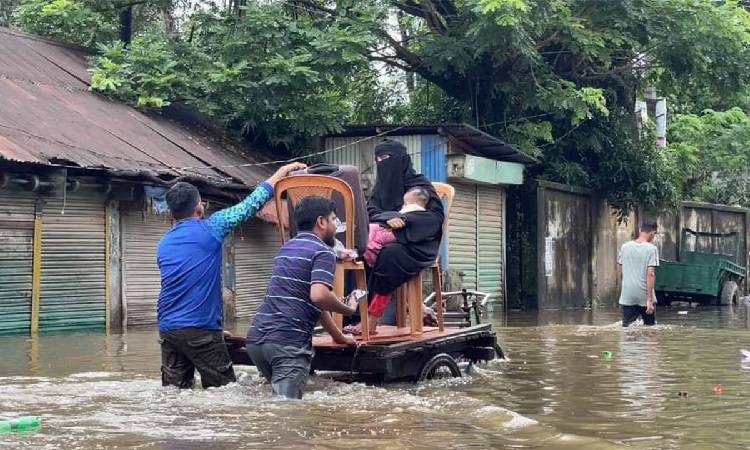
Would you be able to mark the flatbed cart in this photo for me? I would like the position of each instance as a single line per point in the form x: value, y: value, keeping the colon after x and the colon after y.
x: 393, y: 354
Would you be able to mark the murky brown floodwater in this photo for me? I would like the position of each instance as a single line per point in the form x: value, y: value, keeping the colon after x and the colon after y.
x: 556, y: 392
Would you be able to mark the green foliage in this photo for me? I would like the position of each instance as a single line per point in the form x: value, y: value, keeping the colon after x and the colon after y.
x: 263, y: 74
x: 81, y: 22
x: 548, y: 75
x: 73, y: 21
x: 148, y: 73
x: 708, y: 156
x: 374, y: 100
x: 7, y: 8
x: 557, y: 78
x: 604, y: 155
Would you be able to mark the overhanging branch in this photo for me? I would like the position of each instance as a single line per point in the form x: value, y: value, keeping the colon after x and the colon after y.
x: 120, y: 5
x: 391, y: 62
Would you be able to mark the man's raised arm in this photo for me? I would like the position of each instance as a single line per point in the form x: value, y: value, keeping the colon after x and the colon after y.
x: 221, y: 223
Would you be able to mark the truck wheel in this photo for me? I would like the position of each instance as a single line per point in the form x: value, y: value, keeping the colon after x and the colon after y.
x: 439, y: 366
x: 730, y: 294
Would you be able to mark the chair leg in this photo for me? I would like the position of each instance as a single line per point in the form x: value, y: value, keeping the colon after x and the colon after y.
x: 402, y: 294
x: 361, y: 281
x: 437, y: 286
x: 415, y: 304
x: 338, y: 289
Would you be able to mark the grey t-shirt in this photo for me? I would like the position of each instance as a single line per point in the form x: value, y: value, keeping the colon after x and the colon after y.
x: 635, y: 258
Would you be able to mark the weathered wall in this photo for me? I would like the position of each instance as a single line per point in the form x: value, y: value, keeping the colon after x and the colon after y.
x: 563, y: 243
x: 667, y: 234
x: 566, y: 246
x: 609, y: 235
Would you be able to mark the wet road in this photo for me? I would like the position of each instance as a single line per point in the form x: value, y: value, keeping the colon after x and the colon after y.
x: 557, y: 391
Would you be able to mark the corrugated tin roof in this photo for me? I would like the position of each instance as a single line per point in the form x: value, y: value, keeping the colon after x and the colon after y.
x: 473, y: 139
x: 48, y: 116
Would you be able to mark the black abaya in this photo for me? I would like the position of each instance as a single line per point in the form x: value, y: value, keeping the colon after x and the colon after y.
x: 417, y: 245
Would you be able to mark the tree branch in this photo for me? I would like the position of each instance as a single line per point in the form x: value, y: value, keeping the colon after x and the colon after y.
x: 626, y: 68
x: 391, y: 62
x: 426, y: 12
x: 313, y: 5
x: 120, y: 5
x: 410, y: 8
x: 403, y: 53
x: 555, y: 37
x: 548, y: 40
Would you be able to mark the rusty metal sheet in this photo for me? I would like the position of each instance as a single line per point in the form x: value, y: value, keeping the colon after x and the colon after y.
x: 48, y: 115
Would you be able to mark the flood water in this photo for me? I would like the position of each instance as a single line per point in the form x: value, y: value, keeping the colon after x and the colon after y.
x: 557, y: 391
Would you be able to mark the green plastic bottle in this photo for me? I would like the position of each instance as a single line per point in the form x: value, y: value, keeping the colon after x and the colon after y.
x: 21, y: 424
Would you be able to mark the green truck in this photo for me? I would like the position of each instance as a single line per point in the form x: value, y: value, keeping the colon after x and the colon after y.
x: 707, y: 272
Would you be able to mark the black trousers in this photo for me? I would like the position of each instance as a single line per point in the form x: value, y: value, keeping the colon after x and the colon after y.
x: 183, y: 351
x: 630, y: 314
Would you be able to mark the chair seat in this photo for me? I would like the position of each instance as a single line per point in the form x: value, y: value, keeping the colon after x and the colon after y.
x: 351, y: 265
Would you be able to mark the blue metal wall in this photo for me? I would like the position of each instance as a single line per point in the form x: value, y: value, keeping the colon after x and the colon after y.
x: 433, y: 167
x: 433, y: 158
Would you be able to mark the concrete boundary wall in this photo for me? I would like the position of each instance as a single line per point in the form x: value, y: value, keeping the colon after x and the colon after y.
x: 563, y: 243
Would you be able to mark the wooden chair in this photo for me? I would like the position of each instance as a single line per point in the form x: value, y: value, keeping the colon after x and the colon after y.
x: 299, y: 186
x: 411, y: 291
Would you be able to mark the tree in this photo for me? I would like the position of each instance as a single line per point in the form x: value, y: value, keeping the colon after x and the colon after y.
x: 557, y: 78
x: 708, y: 156
x: 84, y: 22
x: 66, y: 20
x: 260, y: 74
x: 7, y: 8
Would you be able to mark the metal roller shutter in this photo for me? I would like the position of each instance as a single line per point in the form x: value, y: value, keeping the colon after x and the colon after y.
x: 16, y: 252
x: 73, y: 275
x: 462, y: 232
x: 490, y: 238
x: 142, y: 233
x: 256, y: 244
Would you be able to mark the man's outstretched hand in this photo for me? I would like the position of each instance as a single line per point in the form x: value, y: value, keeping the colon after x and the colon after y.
x: 346, y: 339
x: 284, y: 171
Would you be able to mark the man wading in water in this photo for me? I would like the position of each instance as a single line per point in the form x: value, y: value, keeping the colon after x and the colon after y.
x: 299, y: 294
x: 190, y: 301
x: 637, y: 268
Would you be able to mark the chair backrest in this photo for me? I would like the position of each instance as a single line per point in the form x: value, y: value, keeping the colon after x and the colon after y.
x: 350, y: 174
x: 297, y: 187
x: 446, y: 192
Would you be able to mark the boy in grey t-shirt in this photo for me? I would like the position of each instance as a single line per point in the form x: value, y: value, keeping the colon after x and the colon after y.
x: 637, y: 264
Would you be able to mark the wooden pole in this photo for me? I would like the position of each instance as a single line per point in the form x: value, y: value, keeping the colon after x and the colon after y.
x: 36, y: 267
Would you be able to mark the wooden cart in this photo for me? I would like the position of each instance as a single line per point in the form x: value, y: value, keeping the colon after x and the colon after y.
x: 394, y: 355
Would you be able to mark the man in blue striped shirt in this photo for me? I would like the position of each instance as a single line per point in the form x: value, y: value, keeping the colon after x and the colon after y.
x: 189, y: 309
x: 299, y: 294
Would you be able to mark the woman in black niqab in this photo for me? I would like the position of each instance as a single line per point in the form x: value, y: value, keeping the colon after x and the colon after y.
x: 418, y: 243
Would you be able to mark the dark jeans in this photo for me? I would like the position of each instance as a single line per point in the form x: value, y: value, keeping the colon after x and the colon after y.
x: 285, y: 367
x: 630, y: 314
x: 183, y: 351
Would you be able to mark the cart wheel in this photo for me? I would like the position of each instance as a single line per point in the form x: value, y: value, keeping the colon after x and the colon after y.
x: 439, y: 366
x: 730, y: 293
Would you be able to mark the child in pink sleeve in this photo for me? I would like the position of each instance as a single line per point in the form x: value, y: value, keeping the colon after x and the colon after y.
x: 380, y: 235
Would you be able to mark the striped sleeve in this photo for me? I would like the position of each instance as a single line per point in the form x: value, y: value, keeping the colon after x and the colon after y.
x: 323, y: 266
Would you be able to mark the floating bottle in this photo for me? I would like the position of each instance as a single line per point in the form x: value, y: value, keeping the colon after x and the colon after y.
x: 21, y: 424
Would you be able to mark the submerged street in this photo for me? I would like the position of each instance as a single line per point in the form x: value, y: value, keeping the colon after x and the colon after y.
x: 559, y: 390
